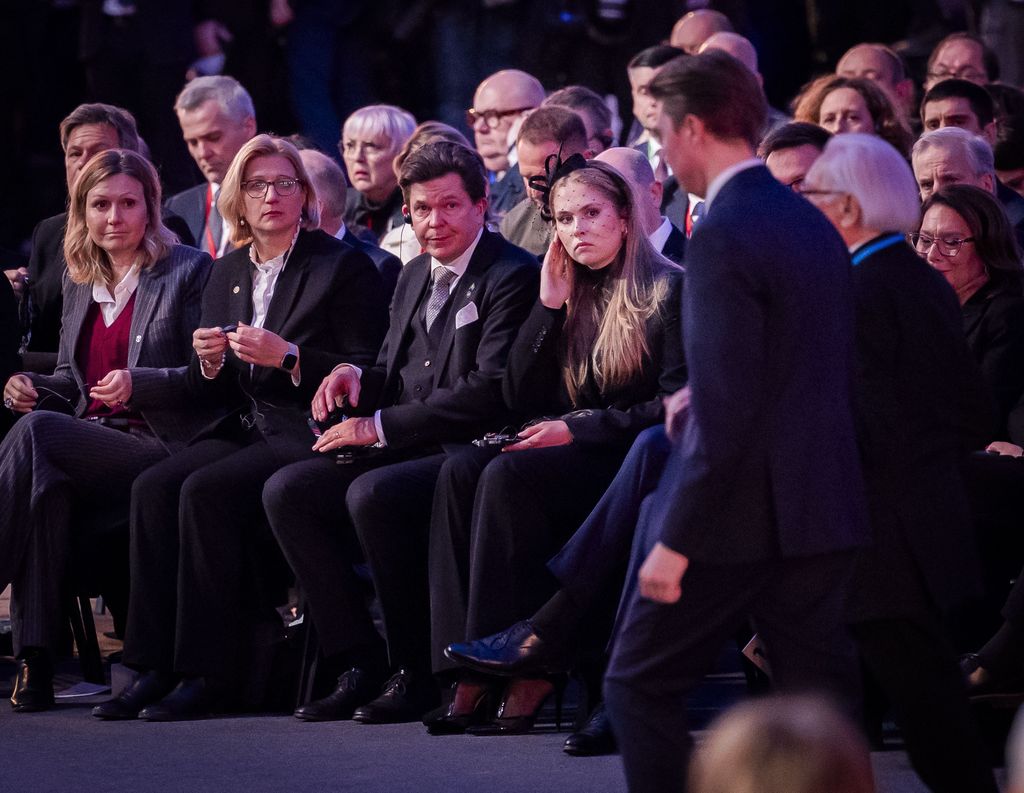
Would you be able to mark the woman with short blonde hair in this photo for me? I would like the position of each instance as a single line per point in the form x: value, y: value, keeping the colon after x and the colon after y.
x: 231, y: 201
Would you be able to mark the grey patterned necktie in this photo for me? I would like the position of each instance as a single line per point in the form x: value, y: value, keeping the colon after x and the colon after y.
x: 443, y: 278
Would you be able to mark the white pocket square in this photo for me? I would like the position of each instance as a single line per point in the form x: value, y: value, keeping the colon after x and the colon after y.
x: 466, y: 315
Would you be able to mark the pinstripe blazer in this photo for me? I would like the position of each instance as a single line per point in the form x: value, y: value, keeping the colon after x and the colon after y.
x: 167, y: 305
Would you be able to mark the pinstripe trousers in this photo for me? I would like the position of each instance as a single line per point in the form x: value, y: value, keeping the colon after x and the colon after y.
x: 52, y: 467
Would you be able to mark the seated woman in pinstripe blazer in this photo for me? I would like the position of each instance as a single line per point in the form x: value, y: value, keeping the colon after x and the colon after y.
x: 111, y: 408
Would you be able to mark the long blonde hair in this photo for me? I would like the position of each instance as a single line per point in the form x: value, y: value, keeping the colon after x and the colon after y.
x: 605, y: 329
x: 87, y: 262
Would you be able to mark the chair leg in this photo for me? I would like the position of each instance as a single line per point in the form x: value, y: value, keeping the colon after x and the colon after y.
x: 308, y: 668
x: 84, y: 629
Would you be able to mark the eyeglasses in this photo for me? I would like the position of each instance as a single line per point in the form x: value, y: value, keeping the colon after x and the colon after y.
x: 947, y: 247
x: 257, y: 188
x: 810, y: 192
x: 491, y: 118
x: 968, y: 73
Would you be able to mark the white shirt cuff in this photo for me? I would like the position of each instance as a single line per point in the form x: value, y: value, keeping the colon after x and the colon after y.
x: 380, y: 429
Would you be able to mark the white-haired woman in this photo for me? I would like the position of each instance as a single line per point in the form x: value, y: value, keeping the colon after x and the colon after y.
x: 370, y: 139
x: 921, y: 406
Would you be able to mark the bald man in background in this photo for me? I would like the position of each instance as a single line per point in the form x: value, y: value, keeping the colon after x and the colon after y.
x: 882, y: 65
x: 668, y: 240
x: 742, y: 50
x: 694, y: 28
x: 500, y: 101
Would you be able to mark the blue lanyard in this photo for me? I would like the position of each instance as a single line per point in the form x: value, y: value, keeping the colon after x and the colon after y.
x: 887, y: 241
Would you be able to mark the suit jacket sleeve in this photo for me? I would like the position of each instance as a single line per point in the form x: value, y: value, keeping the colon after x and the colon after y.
x: 533, y: 383
x: 724, y: 320
x: 167, y: 386
x: 358, y: 317
x: 457, y: 410
x: 63, y: 380
x: 1002, y: 360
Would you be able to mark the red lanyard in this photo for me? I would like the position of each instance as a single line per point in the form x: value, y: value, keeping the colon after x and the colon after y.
x: 211, y: 245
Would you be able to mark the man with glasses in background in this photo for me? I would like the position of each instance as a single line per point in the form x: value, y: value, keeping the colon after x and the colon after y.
x: 500, y: 101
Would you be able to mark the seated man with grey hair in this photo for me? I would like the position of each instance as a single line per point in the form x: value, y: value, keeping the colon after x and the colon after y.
x: 667, y: 240
x: 87, y: 130
x: 217, y: 118
x: 329, y: 182
x: 952, y: 155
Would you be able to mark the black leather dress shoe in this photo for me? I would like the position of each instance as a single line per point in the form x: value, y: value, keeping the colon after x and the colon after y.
x: 405, y: 698
x: 594, y: 738
x: 146, y: 689
x: 515, y: 652
x: 355, y: 687
x: 33, y: 688
x: 192, y: 698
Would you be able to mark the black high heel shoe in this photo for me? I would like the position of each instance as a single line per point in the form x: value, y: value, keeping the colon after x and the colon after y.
x: 517, y: 725
x: 445, y: 721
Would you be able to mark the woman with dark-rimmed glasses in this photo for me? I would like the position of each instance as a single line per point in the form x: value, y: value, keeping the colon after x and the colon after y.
x: 278, y: 314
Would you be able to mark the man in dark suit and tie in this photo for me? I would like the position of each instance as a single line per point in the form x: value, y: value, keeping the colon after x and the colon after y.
x: 437, y: 381
x: 761, y: 505
x: 217, y: 118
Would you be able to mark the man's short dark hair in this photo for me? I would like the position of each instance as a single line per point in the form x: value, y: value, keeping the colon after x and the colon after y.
x: 792, y: 136
x: 440, y: 158
x: 655, y: 57
x: 977, y: 97
x: 988, y: 56
x: 552, y: 123
x: 121, y: 120
x: 717, y: 89
x: 583, y: 99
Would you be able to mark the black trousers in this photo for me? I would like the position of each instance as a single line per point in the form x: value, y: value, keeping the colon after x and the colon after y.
x: 196, y: 520
x: 498, y: 518
x: 53, y: 467
x: 661, y: 652
x: 317, y: 510
x: 916, y: 667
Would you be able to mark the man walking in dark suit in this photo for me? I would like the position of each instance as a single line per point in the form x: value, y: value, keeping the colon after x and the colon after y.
x: 437, y: 381
x: 217, y: 118
x: 761, y: 504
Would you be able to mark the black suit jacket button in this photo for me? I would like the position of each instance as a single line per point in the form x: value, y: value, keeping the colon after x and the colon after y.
x: 418, y: 388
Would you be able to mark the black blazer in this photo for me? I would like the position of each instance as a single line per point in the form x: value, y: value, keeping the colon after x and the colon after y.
x: 489, y: 304
x: 534, y: 385
x: 10, y: 331
x: 767, y: 464
x: 388, y: 265
x: 921, y: 406
x: 674, y: 248
x: 993, y: 319
x: 190, y: 206
x: 328, y: 301
x: 372, y: 220
x: 167, y: 303
x: 46, y: 269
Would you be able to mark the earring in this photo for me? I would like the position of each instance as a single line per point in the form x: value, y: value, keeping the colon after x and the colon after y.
x: 241, y: 221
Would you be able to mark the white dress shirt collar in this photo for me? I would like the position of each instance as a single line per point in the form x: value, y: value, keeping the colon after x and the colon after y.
x: 340, y: 233
x: 111, y: 305
x: 723, y: 178
x: 460, y: 264
x: 264, y: 280
x: 661, y: 234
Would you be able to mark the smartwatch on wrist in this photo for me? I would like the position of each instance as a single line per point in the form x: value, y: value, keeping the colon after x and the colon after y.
x: 291, y: 358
